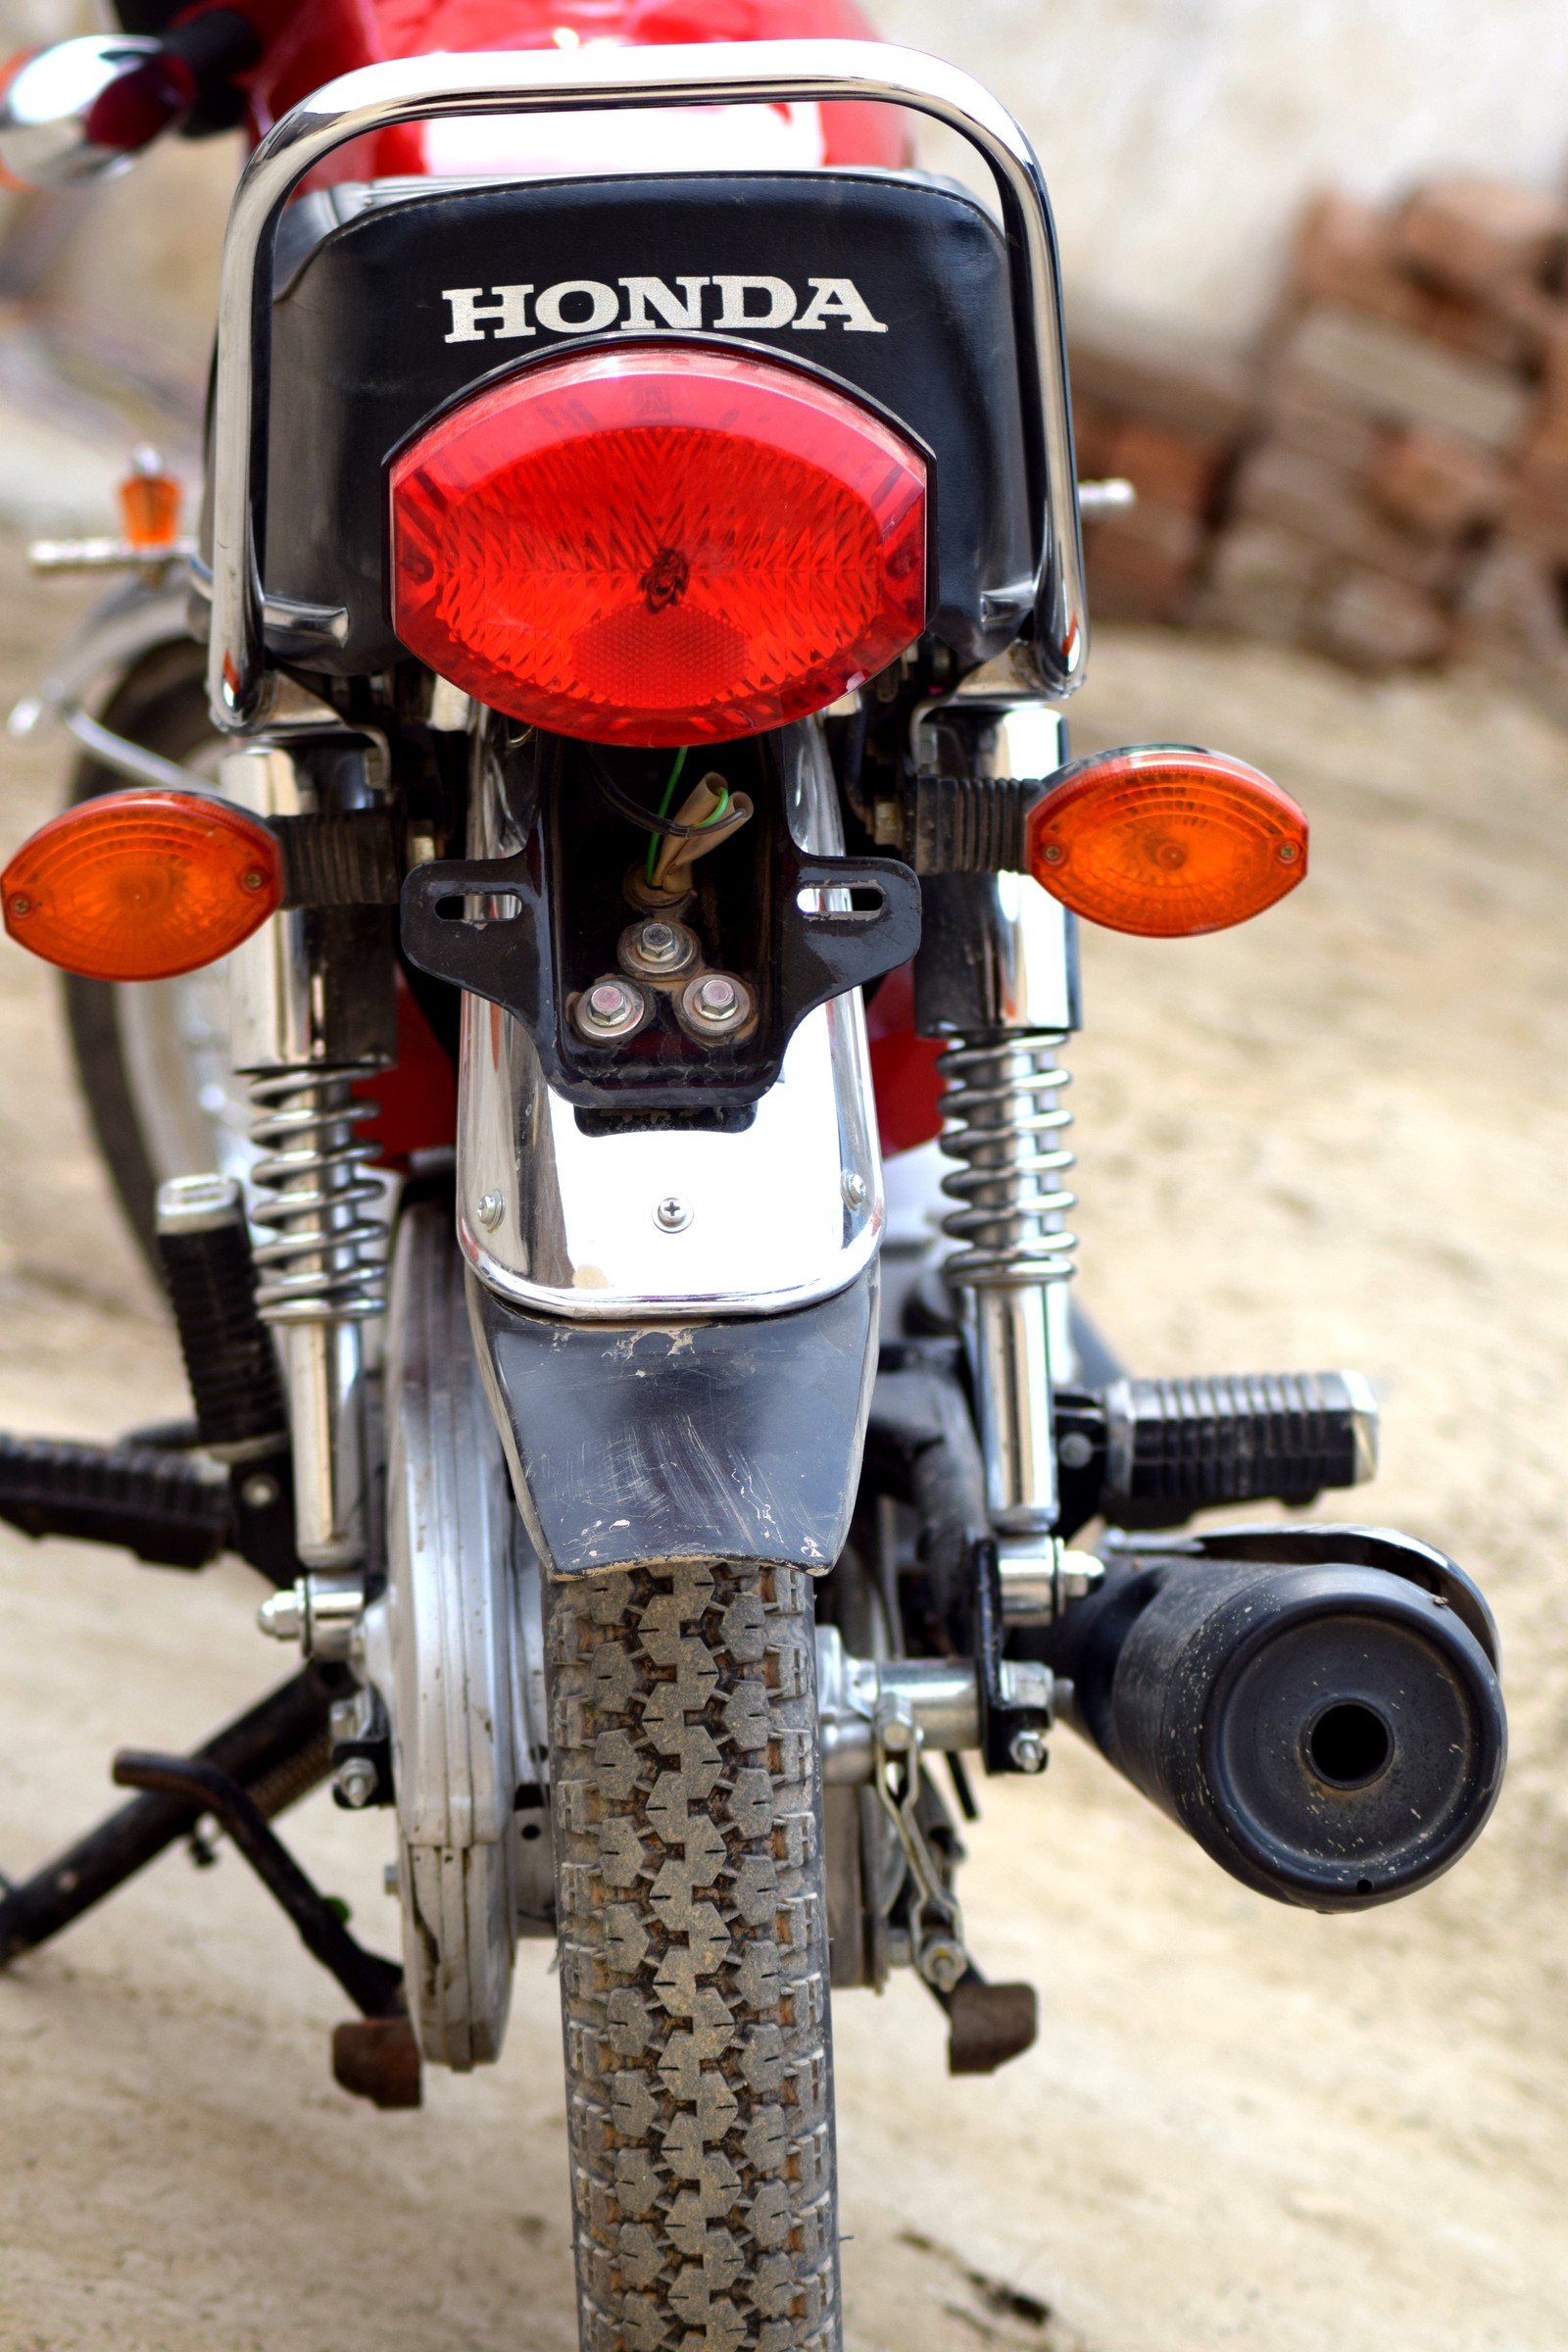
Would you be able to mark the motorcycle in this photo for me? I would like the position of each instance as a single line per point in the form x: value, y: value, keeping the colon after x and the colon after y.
x: 599, y: 767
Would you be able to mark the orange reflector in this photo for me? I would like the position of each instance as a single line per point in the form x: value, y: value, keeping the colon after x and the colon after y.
x: 1165, y: 839
x: 142, y: 885
x: 149, y: 508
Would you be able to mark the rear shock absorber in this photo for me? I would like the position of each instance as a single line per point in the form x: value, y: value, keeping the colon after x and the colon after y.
x: 1007, y: 1125
x: 318, y: 1269
x: 313, y: 1012
x: 319, y: 1281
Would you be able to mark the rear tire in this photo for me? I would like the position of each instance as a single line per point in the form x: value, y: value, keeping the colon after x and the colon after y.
x: 687, y: 1803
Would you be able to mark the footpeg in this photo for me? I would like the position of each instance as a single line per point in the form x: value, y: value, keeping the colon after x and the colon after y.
x: 1175, y: 1446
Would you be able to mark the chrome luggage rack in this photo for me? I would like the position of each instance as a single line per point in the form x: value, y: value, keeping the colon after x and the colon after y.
x: 378, y: 98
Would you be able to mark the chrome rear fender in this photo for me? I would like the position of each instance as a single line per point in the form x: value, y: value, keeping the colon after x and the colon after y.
x: 678, y: 1327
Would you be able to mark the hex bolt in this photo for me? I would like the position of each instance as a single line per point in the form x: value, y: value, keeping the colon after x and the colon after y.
x: 853, y: 1186
x: 1075, y: 1451
x: 610, y: 1009
x: 715, y: 1005
x: 673, y: 1214
x: 656, y: 950
x: 488, y: 1210
x: 260, y: 1492
x: 357, y: 1782
x: 1028, y: 1750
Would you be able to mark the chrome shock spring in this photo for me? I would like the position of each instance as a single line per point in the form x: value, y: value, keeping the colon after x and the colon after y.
x: 1006, y: 1122
x: 326, y: 1263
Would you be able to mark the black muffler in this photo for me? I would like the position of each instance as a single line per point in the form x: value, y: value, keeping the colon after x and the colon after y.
x: 1318, y: 1706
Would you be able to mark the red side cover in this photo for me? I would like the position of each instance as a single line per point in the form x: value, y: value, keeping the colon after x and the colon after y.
x: 311, y: 41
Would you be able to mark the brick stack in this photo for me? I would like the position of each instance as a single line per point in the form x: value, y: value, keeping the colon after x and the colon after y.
x: 1397, y: 489
x: 1168, y: 417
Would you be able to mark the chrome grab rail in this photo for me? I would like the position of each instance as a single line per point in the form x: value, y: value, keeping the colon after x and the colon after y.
x: 378, y: 98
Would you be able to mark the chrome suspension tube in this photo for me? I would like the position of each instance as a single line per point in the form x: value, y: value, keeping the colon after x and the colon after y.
x: 1007, y: 1125
x: 997, y: 978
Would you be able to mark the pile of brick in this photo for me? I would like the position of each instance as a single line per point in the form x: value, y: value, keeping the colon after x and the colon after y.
x: 1170, y: 418
x: 1392, y: 488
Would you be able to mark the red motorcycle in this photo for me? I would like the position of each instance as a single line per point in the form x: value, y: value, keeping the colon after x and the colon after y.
x: 599, y: 766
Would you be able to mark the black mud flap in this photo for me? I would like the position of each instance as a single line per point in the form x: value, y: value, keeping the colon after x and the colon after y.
x: 641, y: 1443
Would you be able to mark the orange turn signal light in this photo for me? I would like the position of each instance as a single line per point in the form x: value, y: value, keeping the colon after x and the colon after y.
x: 149, y: 505
x: 1166, y: 841
x: 142, y: 885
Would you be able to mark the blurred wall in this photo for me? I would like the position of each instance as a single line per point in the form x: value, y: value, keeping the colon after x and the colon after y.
x: 1180, y: 136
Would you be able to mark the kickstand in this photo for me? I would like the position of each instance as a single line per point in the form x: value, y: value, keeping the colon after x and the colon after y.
x: 375, y: 2056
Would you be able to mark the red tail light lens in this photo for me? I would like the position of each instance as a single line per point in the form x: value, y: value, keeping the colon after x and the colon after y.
x: 142, y: 885
x: 1166, y: 841
x: 658, y: 546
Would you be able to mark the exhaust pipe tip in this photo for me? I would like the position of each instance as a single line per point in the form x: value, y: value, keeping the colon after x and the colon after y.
x: 1333, y: 1736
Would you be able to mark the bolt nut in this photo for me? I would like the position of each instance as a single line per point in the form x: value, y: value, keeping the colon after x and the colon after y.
x: 853, y: 1186
x: 656, y: 950
x: 489, y: 1209
x: 673, y: 1214
x: 284, y: 1614
x: 1028, y: 1750
x: 1075, y: 1451
x: 259, y: 1493
x: 357, y: 1782
x: 715, y: 1005
x: 943, y: 1962
x: 611, y: 1010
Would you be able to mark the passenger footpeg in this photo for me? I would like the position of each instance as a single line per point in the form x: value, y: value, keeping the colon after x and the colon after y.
x: 1175, y: 1446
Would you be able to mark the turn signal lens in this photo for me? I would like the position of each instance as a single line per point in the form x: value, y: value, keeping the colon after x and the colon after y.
x: 1166, y: 841
x: 656, y: 546
x: 148, y: 504
x: 142, y: 885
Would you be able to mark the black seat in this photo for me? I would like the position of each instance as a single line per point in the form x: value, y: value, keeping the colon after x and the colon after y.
x: 892, y: 283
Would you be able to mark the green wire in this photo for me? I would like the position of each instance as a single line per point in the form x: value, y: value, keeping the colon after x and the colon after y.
x: 663, y: 810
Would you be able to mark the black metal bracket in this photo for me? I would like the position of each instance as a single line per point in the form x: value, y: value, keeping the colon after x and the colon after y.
x: 374, y: 1986
x: 528, y: 932
x: 1011, y: 1730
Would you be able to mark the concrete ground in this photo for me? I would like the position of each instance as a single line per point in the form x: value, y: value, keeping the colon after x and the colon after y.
x: 1337, y: 1136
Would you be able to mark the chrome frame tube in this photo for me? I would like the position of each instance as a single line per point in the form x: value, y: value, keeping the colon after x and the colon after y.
x: 1015, y: 1407
x: 381, y: 97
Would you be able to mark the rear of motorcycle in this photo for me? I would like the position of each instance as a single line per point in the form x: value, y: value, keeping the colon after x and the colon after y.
x: 641, y: 608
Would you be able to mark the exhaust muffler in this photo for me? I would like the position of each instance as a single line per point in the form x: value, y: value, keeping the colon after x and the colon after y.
x: 1319, y: 1708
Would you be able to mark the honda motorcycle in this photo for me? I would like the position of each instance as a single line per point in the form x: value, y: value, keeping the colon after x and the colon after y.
x: 637, y: 593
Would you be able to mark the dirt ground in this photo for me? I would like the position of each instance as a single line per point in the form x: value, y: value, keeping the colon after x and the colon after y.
x: 1337, y: 1136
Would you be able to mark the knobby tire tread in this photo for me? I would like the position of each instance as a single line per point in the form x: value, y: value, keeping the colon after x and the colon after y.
x: 693, y: 1971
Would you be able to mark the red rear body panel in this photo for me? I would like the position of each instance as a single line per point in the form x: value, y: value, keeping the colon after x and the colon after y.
x: 311, y: 41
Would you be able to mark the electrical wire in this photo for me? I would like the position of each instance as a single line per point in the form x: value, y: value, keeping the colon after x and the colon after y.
x: 670, y: 782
